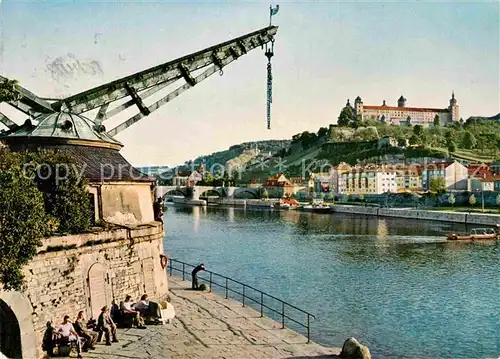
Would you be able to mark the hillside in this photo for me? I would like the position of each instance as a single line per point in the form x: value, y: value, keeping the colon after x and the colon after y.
x: 475, y: 140
x: 242, y: 153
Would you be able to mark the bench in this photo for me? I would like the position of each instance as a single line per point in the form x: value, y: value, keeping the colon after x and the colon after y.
x: 63, y: 345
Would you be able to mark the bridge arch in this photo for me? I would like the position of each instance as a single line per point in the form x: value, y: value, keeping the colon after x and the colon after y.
x: 17, y: 333
x: 247, y: 193
x: 175, y: 192
x: 211, y: 192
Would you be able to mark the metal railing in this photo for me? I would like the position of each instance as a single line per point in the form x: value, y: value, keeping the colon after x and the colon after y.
x: 210, y: 278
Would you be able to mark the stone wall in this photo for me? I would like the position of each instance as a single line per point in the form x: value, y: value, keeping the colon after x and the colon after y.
x: 127, y: 203
x: 458, y: 217
x: 87, y: 271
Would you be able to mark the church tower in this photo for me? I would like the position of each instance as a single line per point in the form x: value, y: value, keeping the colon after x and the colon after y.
x: 453, y: 109
x: 358, y: 107
x: 401, y: 101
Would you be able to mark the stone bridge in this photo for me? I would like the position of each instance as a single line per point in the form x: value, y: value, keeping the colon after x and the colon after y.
x: 202, y: 191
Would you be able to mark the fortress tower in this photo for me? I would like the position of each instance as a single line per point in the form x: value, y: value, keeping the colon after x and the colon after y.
x: 453, y: 108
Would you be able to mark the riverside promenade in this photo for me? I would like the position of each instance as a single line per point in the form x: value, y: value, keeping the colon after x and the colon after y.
x: 209, y: 326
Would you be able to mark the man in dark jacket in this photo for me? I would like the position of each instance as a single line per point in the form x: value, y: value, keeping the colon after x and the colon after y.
x: 194, y: 273
x: 81, y: 328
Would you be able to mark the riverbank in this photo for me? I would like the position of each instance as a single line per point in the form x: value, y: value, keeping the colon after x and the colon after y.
x: 443, y: 216
x: 209, y: 326
x: 454, y: 216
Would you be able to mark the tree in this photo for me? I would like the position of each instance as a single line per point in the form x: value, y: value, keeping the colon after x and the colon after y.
x: 23, y: 221
x: 356, y: 121
x: 401, y: 141
x: 265, y: 194
x: 209, y: 179
x: 345, y: 117
x: 322, y: 132
x: 418, y: 130
x: 450, y: 144
x: 65, y: 195
x: 414, y: 140
x: 451, y: 199
x: 472, y: 200
x: 437, y: 122
x: 469, y: 141
x: 437, y: 185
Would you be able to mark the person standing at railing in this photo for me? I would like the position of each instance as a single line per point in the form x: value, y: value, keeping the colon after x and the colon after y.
x: 194, y: 273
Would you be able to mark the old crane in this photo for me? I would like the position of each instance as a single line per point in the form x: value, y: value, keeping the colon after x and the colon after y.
x: 66, y: 116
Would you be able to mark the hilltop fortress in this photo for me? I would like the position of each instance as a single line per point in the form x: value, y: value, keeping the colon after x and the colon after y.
x: 403, y: 115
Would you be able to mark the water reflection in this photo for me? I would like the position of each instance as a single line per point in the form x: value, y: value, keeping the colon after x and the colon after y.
x: 394, y: 283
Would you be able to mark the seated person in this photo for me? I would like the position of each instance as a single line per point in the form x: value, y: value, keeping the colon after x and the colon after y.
x: 81, y: 328
x: 48, y: 339
x: 148, y: 309
x: 127, y: 309
x: 67, y: 331
x: 106, y: 324
x: 115, y: 312
x: 143, y: 306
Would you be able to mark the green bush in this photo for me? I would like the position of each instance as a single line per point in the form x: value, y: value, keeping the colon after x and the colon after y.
x: 34, y: 205
x: 65, y: 196
x: 23, y: 222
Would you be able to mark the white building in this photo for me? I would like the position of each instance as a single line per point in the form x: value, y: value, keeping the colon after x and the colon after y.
x: 403, y: 115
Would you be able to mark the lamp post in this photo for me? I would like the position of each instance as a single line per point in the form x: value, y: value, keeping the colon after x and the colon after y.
x: 482, y: 193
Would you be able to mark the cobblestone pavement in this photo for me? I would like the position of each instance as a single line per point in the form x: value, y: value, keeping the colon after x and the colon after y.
x: 210, y: 326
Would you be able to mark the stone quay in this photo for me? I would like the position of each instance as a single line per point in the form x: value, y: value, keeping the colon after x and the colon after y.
x: 209, y: 326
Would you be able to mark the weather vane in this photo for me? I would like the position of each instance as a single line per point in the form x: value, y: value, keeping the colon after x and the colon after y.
x: 269, y: 54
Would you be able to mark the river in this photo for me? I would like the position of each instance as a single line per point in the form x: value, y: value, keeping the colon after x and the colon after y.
x: 394, y: 284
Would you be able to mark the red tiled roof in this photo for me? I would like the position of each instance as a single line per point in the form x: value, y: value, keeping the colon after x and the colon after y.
x: 414, y: 109
x: 491, y: 178
x: 478, y: 170
x: 275, y: 183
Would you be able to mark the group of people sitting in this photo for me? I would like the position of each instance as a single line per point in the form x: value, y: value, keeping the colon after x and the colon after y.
x: 137, y: 313
x: 68, y: 334
x: 84, y: 335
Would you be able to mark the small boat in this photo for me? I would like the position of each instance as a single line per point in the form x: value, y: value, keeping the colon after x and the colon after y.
x: 287, y: 203
x: 475, y: 234
x: 317, y: 208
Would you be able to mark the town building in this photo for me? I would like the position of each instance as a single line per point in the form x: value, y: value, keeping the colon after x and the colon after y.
x: 370, y: 179
x: 324, y: 182
x: 408, y: 178
x: 455, y: 174
x: 404, y: 115
x: 495, y: 167
x: 278, y: 186
x: 478, y: 170
x: 378, y: 179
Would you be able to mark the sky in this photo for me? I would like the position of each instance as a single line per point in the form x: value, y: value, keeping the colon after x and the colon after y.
x: 325, y: 53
